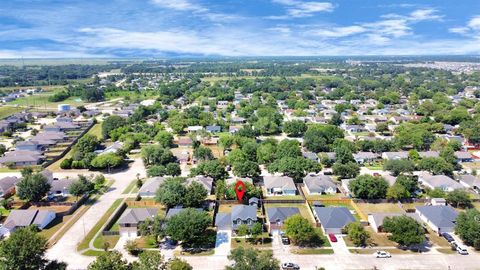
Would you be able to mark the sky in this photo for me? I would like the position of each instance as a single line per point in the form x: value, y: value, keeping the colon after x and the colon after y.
x: 175, y: 28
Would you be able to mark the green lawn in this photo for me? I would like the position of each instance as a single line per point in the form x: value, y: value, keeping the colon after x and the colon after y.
x: 96, y: 130
x: 84, y: 244
x: 130, y: 187
x: 6, y: 111
x: 146, y: 242
x: 100, y: 241
x: 312, y: 251
x: 41, y: 100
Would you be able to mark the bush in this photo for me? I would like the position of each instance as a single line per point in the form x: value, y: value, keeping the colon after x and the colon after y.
x: 132, y: 247
x: 66, y: 163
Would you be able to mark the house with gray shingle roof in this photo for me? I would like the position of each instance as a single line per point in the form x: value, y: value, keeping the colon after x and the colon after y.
x: 131, y: 219
x: 441, y: 218
x: 395, y: 155
x: 277, y: 215
x: 23, y: 218
x: 241, y: 214
x: 375, y: 220
x: 333, y: 219
x: 149, y: 188
x: 279, y: 185
x: 468, y: 180
x: 442, y: 182
x: 319, y: 184
x: 21, y: 158
x: 362, y: 157
x: 205, y: 181
x: 463, y: 156
x: 7, y: 186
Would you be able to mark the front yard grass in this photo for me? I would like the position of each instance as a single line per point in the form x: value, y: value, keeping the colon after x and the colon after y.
x: 263, y: 241
x: 146, y: 242
x: 201, y: 253
x: 109, y: 240
x: 446, y: 251
x: 312, y: 251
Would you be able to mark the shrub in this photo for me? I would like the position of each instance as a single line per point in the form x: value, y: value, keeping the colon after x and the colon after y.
x: 66, y: 163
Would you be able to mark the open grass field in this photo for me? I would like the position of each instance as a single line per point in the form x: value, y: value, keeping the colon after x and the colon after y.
x: 41, y: 100
x: 6, y: 111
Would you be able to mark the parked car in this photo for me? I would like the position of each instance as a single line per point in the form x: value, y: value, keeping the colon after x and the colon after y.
x: 448, y: 237
x: 332, y: 237
x: 290, y: 266
x: 462, y: 250
x: 285, y: 240
x: 382, y: 254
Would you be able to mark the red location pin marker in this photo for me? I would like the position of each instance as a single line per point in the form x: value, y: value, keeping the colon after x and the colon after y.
x: 240, y: 190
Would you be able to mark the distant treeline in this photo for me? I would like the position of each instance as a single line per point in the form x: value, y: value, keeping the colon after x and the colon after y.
x: 49, y: 75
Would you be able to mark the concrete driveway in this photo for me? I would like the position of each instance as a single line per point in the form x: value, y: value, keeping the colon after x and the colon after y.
x: 339, y: 247
x: 223, y: 243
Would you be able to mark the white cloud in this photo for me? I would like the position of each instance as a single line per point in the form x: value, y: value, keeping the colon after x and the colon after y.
x: 425, y: 14
x: 471, y: 29
x: 181, y: 5
x: 299, y: 9
x: 336, y: 32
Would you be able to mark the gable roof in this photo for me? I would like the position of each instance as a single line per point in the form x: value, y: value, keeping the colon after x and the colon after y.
x: 244, y: 212
x: 439, y: 215
x: 136, y: 215
x: 151, y: 185
x: 379, y: 217
x: 205, y: 181
x: 24, y: 218
x: 275, y: 214
x: 318, y: 183
x: 333, y: 217
x: 283, y: 182
x: 176, y: 210
x: 8, y: 182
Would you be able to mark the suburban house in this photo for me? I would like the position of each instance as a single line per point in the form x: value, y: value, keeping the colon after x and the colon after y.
x: 176, y: 210
x: 24, y: 218
x: 205, y: 181
x: 241, y: 214
x: 345, y: 183
x: 213, y: 129
x: 185, y: 141
x: 149, y: 188
x: 7, y: 186
x: 132, y: 217
x: 394, y: 155
x: 333, y: 219
x: 463, y: 156
x: 113, y: 148
x: 365, y: 157
x: 441, y: 218
x: 19, y: 158
x: 375, y: 220
x: 279, y: 185
x: 277, y: 215
x: 60, y: 187
x: 438, y: 181
x: 468, y: 180
x: 319, y: 184
x: 28, y: 146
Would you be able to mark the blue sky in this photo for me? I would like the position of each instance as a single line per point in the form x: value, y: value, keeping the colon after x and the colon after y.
x: 160, y: 28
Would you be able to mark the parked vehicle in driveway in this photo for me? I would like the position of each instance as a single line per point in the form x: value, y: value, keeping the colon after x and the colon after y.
x: 290, y: 266
x: 448, y: 237
x: 382, y: 254
x: 332, y: 237
x: 462, y: 250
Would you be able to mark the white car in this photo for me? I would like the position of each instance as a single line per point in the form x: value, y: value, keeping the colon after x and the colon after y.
x: 290, y: 266
x: 382, y: 254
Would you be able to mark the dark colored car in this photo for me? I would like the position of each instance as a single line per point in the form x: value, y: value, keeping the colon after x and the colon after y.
x: 448, y: 237
x: 285, y: 240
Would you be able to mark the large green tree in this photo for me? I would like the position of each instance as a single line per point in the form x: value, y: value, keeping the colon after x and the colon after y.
x: 188, y: 225
x: 111, y: 260
x: 357, y: 234
x: 33, y: 187
x: 244, y: 259
x: 368, y: 187
x: 25, y: 250
x: 404, y: 230
x: 467, y: 226
x: 295, y: 167
x: 299, y: 230
x: 295, y: 128
x: 111, y: 123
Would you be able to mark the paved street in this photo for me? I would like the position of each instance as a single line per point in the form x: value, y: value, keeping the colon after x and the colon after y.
x: 66, y: 248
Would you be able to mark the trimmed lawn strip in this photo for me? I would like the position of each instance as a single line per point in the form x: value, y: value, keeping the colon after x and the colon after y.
x: 146, y: 242
x: 130, y: 186
x: 313, y: 251
x: 202, y: 253
x: 248, y: 242
x: 94, y: 253
x: 85, y: 242
x: 446, y: 251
